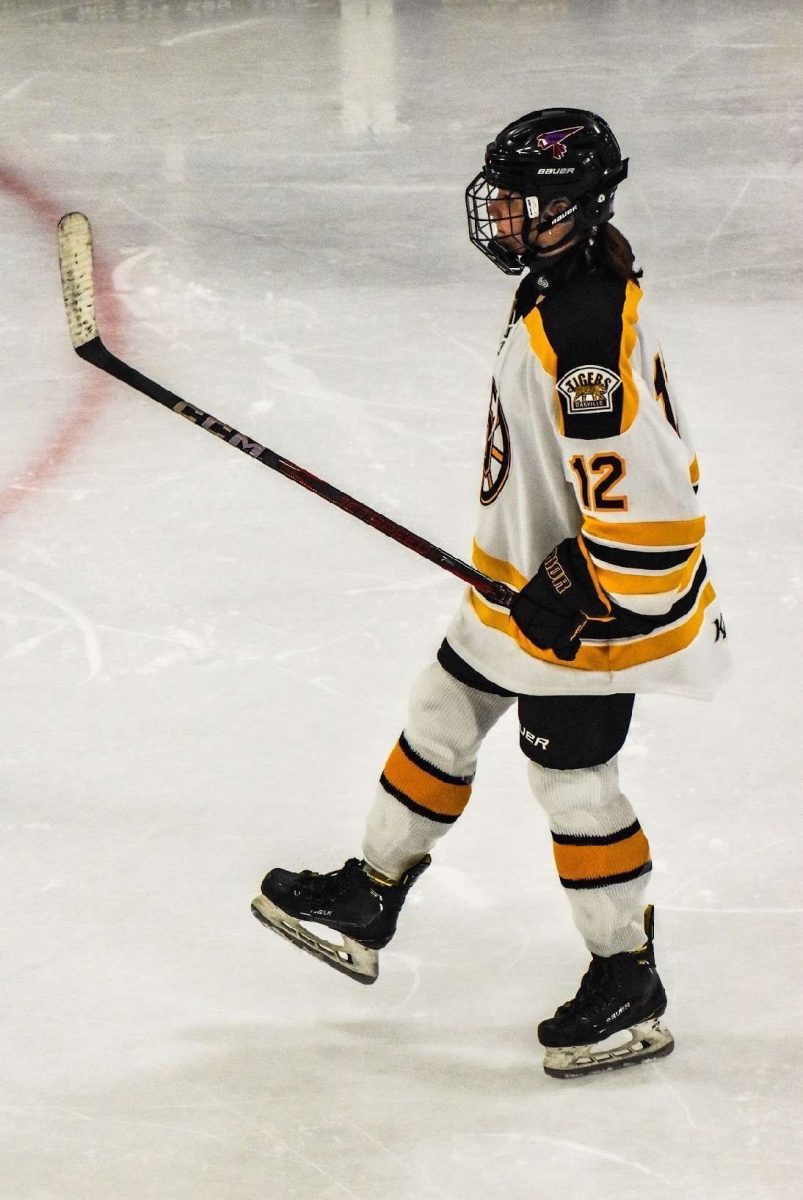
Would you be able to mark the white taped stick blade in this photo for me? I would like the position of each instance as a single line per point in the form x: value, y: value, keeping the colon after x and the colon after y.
x: 75, y: 261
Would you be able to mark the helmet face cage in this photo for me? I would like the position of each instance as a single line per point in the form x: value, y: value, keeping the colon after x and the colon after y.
x: 492, y: 220
x: 482, y: 228
x: 519, y: 166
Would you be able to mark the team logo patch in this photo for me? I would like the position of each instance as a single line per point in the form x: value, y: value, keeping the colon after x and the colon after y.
x: 589, y: 389
x: 496, y: 465
x: 555, y: 139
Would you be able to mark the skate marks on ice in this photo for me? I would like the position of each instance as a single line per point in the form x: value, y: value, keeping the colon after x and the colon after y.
x: 132, y: 651
x: 584, y: 1150
x: 296, y: 349
x: 322, y: 1096
x: 19, y: 88
x: 214, y: 31
x: 733, y: 912
x: 709, y: 895
x: 75, y: 619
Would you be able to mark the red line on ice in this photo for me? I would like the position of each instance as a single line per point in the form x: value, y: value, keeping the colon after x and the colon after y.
x: 94, y: 392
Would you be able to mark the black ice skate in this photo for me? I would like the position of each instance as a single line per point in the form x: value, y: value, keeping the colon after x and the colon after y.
x: 363, y: 908
x: 618, y: 994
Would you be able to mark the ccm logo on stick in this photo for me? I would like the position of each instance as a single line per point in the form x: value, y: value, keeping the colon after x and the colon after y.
x: 219, y: 428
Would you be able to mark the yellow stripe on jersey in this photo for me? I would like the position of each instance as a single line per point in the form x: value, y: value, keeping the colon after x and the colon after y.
x: 543, y: 350
x: 633, y: 296
x: 425, y: 790
x: 497, y: 568
x: 623, y: 584
x: 606, y: 656
x: 646, y: 533
x: 541, y: 344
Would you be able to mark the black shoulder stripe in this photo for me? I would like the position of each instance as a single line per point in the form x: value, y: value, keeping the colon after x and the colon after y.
x: 583, y: 323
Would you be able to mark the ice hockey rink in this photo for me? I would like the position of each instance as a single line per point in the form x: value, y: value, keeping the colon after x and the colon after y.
x: 204, y: 666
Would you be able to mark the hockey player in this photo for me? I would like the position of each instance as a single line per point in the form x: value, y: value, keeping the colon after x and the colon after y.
x: 588, y: 508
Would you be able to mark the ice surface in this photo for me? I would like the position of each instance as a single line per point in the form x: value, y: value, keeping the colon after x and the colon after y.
x: 204, y: 666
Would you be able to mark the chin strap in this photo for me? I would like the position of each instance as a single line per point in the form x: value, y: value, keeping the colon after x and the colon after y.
x: 541, y: 262
x: 533, y: 211
x: 530, y: 214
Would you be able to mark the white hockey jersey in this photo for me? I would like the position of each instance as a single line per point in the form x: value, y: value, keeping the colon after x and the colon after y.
x: 584, y: 440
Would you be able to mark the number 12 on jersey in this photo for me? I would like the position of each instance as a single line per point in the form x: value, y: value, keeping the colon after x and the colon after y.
x: 597, y: 477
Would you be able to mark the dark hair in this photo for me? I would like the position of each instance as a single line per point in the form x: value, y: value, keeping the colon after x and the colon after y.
x: 617, y: 253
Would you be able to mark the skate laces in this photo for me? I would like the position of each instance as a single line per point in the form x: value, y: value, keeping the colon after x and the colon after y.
x: 333, y: 883
x: 348, y: 874
x: 594, y: 993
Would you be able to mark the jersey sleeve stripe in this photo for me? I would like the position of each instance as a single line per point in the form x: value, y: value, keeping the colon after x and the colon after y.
x: 647, y: 533
x: 592, y: 573
x: 652, y: 583
x: 629, y: 337
x: 497, y: 568
x: 637, y: 560
x: 625, y: 623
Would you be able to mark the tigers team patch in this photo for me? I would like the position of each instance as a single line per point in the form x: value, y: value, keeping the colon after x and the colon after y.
x: 589, y: 390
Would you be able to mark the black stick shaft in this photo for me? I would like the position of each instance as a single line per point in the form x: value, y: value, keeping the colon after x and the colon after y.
x: 96, y: 353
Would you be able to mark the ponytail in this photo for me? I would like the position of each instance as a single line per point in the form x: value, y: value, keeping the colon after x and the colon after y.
x: 616, y: 253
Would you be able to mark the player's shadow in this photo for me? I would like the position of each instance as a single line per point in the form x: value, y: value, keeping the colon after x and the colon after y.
x: 283, y: 1108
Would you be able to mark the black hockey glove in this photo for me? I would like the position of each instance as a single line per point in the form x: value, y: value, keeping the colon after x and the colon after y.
x: 553, y: 607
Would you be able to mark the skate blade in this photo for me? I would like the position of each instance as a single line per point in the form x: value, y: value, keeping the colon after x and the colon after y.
x: 649, y: 1039
x: 349, y: 957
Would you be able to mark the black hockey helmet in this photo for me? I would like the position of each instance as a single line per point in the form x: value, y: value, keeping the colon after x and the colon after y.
x: 554, y: 154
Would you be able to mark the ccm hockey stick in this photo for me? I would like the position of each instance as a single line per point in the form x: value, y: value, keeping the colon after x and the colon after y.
x: 75, y: 260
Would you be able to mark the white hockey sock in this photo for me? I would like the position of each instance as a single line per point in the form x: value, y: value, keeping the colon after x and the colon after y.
x: 427, y: 779
x: 601, y: 853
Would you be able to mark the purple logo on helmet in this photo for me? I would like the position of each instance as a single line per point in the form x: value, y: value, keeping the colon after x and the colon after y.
x: 554, y: 140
